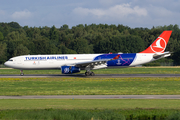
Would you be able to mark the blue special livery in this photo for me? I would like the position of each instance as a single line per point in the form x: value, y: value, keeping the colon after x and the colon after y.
x: 74, y: 63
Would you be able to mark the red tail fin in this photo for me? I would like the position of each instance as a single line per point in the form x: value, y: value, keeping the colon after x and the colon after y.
x: 159, y: 45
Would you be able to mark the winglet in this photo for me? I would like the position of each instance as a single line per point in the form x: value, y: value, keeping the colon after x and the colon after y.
x: 117, y: 57
x: 159, y: 45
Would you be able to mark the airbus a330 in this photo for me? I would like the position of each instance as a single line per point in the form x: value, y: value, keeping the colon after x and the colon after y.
x: 74, y: 63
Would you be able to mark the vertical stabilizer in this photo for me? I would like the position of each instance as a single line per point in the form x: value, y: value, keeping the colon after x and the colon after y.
x: 159, y: 45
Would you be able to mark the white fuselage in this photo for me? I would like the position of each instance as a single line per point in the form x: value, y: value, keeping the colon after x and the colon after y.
x: 29, y: 62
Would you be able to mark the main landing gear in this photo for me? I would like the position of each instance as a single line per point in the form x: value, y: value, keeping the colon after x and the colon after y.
x: 89, y: 73
x: 21, y: 73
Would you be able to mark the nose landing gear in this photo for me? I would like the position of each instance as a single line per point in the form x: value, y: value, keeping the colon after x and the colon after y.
x: 22, y: 74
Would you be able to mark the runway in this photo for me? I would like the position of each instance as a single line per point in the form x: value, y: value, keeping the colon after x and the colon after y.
x: 94, y: 97
x: 96, y: 76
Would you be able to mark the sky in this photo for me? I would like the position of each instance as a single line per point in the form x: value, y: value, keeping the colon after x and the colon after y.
x: 132, y: 13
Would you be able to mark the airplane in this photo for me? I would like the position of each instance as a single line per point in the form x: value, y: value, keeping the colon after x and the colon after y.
x: 74, y: 63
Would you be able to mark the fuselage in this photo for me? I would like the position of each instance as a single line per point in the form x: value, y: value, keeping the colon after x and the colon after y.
x: 33, y: 62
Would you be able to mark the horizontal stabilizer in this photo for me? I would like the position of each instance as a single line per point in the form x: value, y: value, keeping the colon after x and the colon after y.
x: 165, y: 54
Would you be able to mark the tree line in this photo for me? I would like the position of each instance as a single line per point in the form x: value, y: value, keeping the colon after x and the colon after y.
x: 16, y: 40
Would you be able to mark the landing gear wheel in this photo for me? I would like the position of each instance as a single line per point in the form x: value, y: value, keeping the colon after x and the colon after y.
x: 22, y: 74
x: 87, y: 73
x: 92, y: 74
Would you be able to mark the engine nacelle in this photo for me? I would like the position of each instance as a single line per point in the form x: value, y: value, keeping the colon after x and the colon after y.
x: 69, y: 69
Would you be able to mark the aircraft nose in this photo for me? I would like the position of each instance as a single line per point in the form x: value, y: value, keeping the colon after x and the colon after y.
x: 6, y: 63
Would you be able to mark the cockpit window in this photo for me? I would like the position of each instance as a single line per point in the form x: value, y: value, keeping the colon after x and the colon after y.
x: 10, y: 60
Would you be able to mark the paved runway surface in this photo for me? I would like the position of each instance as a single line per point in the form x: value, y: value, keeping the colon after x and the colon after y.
x: 97, y: 75
x: 94, y: 97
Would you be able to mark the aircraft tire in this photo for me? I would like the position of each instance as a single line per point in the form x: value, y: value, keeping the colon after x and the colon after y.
x: 92, y: 74
x: 22, y: 74
x: 87, y: 73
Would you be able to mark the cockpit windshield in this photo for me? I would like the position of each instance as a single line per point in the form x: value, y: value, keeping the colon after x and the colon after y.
x: 10, y: 60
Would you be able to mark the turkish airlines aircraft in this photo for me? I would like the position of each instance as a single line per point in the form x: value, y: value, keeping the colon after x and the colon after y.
x: 73, y: 63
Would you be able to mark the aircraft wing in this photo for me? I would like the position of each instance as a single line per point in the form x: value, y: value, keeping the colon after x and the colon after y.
x: 94, y: 62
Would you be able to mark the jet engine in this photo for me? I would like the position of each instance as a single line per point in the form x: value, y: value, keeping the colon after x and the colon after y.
x: 69, y: 69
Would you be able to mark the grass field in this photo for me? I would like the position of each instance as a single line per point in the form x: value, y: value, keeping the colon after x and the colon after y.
x: 132, y: 70
x: 90, y: 114
x: 72, y: 109
x: 88, y: 104
x: 89, y: 86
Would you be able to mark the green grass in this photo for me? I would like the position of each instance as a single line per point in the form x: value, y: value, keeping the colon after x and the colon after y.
x: 140, y: 70
x: 73, y: 109
x: 133, y: 70
x: 89, y: 86
x: 89, y: 114
x: 88, y: 104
